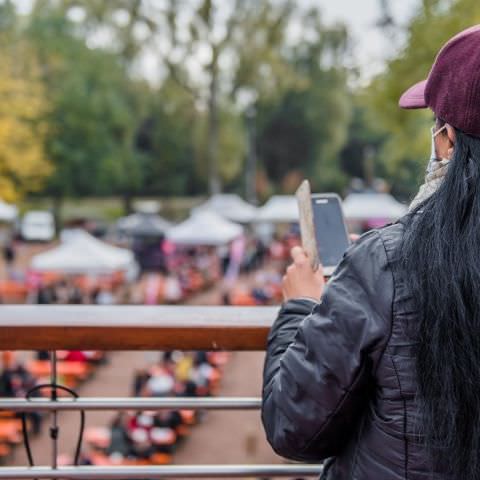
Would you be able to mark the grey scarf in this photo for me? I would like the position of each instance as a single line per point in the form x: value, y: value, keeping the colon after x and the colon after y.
x: 436, y: 171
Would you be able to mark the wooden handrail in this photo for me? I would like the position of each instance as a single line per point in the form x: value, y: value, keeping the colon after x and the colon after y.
x: 78, y: 327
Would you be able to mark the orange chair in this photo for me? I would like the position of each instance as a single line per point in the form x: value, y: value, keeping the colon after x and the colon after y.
x: 13, y: 291
x: 161, y: 459
x: 10, y: 431
x: 188, y: 417
x: 243, y: 299
x: 6, y: 414
x: 5, y: 450
x: 70, y: 370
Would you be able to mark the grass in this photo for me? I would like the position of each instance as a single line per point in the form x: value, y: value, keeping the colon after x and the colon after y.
x: 110, y: 209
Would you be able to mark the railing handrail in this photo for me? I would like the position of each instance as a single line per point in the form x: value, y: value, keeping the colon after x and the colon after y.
x: 125, y: 327
x: 170, y: 471
x: 138, y: 328
x: 131, y: 403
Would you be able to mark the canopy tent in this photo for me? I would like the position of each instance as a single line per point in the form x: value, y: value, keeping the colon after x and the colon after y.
x: 81, y: 253
x: 372, y: 206
x: 8, y: 212
x: 204, y: 228
x: 279, y: 209
x: 143, y: 225
x: 229, y: 206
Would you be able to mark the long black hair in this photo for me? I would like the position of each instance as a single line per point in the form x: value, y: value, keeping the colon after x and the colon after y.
x: 441, y: 255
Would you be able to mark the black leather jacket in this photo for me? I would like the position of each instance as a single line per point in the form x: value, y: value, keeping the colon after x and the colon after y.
x: 339, y: 376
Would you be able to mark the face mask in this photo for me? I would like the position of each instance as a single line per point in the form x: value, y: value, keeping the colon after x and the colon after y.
x: 433, y: 162
x: 436, y: 170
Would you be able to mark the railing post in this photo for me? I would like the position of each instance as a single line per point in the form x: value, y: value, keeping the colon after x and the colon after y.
x: 53, y: 397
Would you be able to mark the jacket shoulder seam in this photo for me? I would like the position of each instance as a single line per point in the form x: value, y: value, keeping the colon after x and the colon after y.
x: 392, y: 305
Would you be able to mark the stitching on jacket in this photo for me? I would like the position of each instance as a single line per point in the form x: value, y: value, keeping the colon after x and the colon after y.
x: 344, y: 398
x: 393, y: 311
x: 357, y: 447
x: 405, y: 439
x: 377, y: 235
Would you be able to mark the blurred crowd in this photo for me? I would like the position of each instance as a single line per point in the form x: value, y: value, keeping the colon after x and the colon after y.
x: 251, y: 278
x: 151, y: 437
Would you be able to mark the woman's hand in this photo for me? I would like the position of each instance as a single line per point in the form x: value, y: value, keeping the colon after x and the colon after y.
x: 300, y: 279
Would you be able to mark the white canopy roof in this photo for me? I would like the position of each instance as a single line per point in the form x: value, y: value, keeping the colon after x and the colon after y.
x: 279, y: 209
x: 204, y: 228
x: 369, y: 206
x: 8, y: 212
x: 81, y: 253
x: 229, y: 206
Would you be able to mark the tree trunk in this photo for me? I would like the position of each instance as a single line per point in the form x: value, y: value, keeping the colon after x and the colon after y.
x: 251, y: 161
x: 127, y: 203
x: 214, y: 184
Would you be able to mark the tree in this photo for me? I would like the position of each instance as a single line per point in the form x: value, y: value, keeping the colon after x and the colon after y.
x: 23, y: 164
x: 93, y: 113
x: 218, y: 52
x: 306, y: 127
x: 165, y: 139
x: 406, y: 149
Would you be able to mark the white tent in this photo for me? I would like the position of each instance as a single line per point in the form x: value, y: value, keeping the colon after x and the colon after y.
x: 143, y: 224
x: 8, y: 212
x: 372, y: 206
x: 279, y: 209
x: 229, y: 206
x: 204, y: 228
x: 81, y: 253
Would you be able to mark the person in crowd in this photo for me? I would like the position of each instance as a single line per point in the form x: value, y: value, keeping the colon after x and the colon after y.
x: 139, y: 381
x: 120, y: 443
x: 9, y: 255
x: 104, y: 296
x: 75, y: 295
x: 378, y: 370
x: 15, y: 382
x: 46, y: 295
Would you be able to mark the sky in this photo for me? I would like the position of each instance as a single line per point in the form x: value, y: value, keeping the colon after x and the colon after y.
x: 370, y: 47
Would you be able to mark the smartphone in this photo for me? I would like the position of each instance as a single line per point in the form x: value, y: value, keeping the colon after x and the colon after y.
x: 330, y: 230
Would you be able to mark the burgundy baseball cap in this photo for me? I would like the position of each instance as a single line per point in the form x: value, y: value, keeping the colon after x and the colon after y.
x: 452, y: 89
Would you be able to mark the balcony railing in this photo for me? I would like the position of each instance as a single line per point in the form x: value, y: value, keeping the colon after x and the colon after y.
x: 138, y: 328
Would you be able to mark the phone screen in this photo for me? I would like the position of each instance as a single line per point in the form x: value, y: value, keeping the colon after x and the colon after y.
x: 330, y: 232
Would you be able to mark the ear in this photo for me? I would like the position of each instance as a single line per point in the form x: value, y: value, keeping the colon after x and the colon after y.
x: 452, y: 137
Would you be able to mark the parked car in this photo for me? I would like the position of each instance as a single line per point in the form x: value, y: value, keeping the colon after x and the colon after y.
x: 38, y: 226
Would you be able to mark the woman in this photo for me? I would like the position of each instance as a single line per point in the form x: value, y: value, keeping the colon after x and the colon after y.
x: 382, y: 375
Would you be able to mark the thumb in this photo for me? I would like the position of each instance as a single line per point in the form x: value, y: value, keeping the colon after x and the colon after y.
x: 298, y: 254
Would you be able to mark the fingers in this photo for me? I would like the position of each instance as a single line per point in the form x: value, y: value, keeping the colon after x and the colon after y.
x: 301, y: 280
x: 319, y: 271
x: 298, y: 255
x: 354, y: 237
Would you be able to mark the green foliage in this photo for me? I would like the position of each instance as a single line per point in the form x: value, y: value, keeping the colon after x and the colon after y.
x: 231, y: 145
x: 92, y: 115
x: 164, y: 140
x: 305, y: 129
x: 23, y: 164
x: 110, y: 133
x: 405, y: 152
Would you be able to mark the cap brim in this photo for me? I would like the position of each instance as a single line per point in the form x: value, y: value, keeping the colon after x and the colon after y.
x: 414, y: 97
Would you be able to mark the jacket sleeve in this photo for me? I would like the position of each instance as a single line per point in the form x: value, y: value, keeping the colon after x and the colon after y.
x: 321, y: 357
